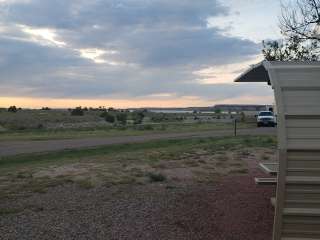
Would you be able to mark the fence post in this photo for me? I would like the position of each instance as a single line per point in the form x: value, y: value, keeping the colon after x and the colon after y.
x: 235, y: 127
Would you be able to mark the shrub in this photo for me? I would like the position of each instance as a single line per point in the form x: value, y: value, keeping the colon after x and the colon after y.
x: 85, y: 183
x: 108, y: 117
x: 242, y: 117
x: 163, y: 127
x: 12, y: 109
x: 138, y: 117
x: 21, y: 128
x: 144, y: 127
x: 122, y: 118
x: 156, y: 177
x: 78, y: 111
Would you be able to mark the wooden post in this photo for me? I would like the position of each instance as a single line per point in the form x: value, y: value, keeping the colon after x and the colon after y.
x: 235, y: 127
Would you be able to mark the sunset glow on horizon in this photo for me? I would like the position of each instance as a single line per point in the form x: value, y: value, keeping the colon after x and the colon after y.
x: 36, y: 103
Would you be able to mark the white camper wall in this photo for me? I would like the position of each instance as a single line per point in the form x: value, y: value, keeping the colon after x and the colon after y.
x: 297, y: 94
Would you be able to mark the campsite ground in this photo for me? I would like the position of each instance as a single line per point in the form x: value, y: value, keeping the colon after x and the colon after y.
x: 165, y: 189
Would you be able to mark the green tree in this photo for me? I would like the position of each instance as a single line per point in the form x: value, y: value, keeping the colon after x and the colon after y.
x: 12, y: 109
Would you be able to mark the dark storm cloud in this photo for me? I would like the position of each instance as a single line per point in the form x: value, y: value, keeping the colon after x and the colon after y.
x: 114, y: 13
x: 158, y: 45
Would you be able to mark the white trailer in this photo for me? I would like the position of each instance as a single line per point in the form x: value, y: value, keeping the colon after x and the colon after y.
x: 297, y: 93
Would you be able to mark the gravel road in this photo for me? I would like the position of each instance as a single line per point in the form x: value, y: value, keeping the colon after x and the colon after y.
x: 9, y: 148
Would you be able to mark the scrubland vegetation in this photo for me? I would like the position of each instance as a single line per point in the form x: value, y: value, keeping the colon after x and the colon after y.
x: 88, y: 122
x: 169, y: 161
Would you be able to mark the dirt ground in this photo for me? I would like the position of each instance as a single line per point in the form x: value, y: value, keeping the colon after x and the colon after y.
x: 227, y: 206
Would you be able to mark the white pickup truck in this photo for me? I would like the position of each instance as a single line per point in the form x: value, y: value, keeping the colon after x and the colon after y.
x: 266, y: 118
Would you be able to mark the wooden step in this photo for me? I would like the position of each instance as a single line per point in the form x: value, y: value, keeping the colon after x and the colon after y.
x: 270, y: 168
x: 265, y: 181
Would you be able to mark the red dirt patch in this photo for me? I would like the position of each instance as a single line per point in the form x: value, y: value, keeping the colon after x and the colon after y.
x: 237, y: 209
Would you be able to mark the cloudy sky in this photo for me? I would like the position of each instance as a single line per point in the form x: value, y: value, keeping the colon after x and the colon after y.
x: 132, y: 53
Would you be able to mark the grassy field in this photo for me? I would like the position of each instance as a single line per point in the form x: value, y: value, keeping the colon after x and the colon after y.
x: 44, y: 134
x: 167, y: 161
x: 61, y: 124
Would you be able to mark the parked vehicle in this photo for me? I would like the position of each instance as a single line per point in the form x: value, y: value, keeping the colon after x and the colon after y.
x: 266, y: 118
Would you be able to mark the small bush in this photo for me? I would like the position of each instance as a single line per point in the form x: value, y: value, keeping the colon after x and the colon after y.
x: 78, y: 111
x: 122, y: 118
x: 12, y: 109
x: 138, y: 117
x: 85, y: 183
x: 8, y: 211
x: 163, y: 127
x: 270, y: 140
x: 24, y: 175
x: 108, y: 117
x: 21, y: 128
x: 144, y: 127
x: 156, y: 177
x: 121, y: 127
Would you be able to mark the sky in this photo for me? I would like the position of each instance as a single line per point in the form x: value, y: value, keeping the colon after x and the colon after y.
x: 132, y: 53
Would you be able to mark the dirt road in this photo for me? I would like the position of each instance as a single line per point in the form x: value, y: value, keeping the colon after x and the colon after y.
x: 10, y: 148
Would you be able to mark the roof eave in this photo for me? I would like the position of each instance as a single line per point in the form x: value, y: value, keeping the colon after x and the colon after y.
x: 256, y: 73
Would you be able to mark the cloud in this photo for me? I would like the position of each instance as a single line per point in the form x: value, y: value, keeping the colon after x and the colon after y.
x: 119, y: 49
x: 223, y: 74
x: 42, y: 35
x: 96, y: 54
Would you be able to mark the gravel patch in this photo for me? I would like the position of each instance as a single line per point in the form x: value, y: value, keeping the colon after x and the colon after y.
x: 233, y: 208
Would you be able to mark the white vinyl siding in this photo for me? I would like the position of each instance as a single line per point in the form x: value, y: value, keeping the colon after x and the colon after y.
x: 297, y: 90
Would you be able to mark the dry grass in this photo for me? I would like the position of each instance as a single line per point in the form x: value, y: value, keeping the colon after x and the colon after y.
x: 171, y: 162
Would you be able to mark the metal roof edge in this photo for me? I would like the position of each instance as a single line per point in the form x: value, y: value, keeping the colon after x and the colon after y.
x: 291, y: 64
x: 248, y: 70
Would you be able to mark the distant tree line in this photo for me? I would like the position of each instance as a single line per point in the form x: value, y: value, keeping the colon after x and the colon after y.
x: 113, y: 115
